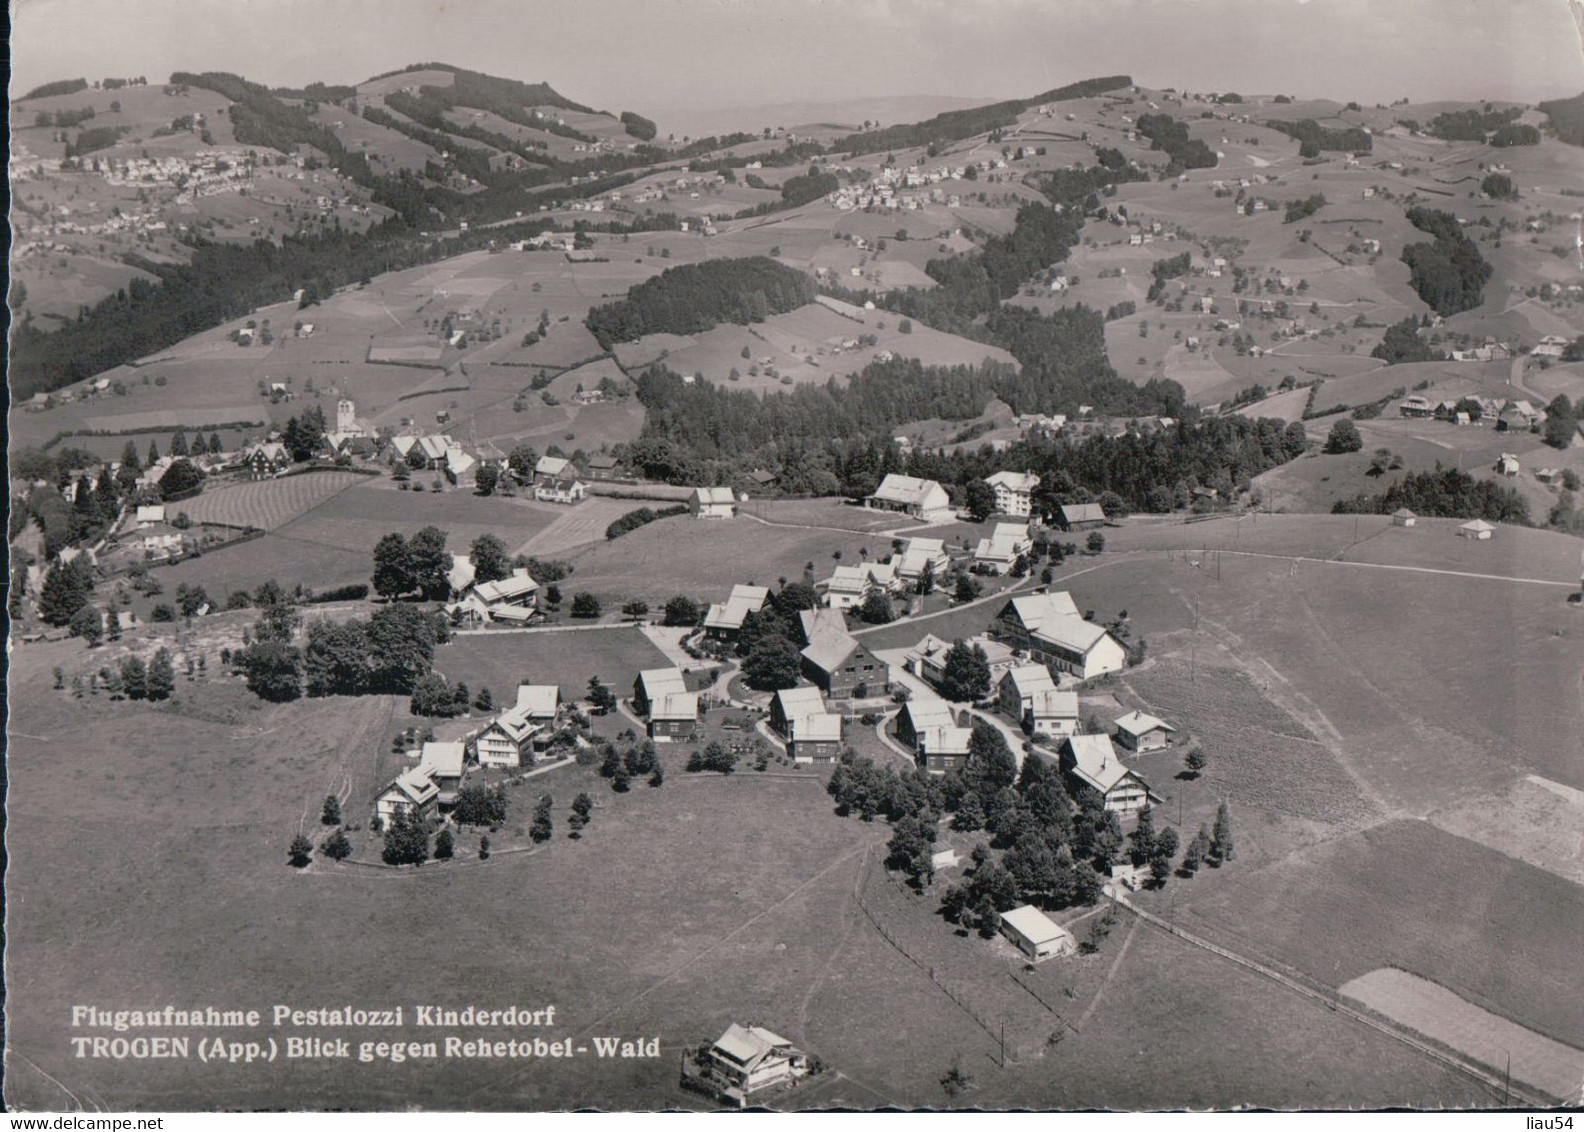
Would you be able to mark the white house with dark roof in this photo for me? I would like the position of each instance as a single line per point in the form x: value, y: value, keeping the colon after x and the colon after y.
x: 1014, y: 492
x: 920, y: 498
x: 1477, y: 529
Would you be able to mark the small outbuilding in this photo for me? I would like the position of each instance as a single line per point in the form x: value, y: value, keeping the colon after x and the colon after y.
x: 1137, y: 732
x: 1036, y: 934
x: 1476, y: 529
x: 1402, y: 517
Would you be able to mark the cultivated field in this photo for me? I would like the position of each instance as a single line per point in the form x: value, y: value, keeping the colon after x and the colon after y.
x: 268, y: 504
x: 500, y: 660
x: 1487, y: 1038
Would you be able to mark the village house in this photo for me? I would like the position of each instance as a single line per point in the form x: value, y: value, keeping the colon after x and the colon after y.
x: 712, y: 503
x: 1049, y: 629
x: 1080, y: 516
x: 1551, y: 346
x: 1507, y: 464
x: 413, y: 792
x: 555, y: 481
x: 920, y: 556
x: 849, y: 586
x: 1001, y: 549
x: 748, y: 1060
x: 812, y: 734
x: 512, y: 738
x: 1035, y: 934
x: 446, y: 764
x: 922, y: 499
x: 927, y: 659
x: 1028, y: 695
x: 919, y: 715
x: 725, y: 619
x: 661, y: 694
x: 160, y: 539
x: 942, y: 748
x: 1138, y: 732
x: 1091, y: 761
x: 1014, y: 492
x: 265, y: 459
x: 844, y: 667
x: 506, y: 599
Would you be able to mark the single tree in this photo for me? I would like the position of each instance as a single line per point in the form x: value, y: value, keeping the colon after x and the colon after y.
x: 490, y: 561
x: 1197, y: 760
x: 682, y: 611
x: 300, y: 852
x: 965, y: 675
x: 443, y: 845
x: 635, y: 610
x: 336, y: 846
x: 1344, y: 437
x: 88, y: 624
x: 331, y: 813
x: 160, y: 680
x: 1221, y: 847
x: 600, y: 697
x: 585, y: 605
x: 979, y: 497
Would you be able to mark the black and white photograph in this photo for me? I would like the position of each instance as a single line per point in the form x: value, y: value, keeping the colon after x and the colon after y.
x: 800, y: 555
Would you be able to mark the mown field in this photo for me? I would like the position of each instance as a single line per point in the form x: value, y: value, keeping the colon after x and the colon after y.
x: 1500, y: 933
x: 502, y: 660
x: 268, y: 504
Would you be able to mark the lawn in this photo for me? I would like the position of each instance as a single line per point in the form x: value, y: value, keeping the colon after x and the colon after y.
x: 1499, y: 933
x: 358, y: 518
x: 500, y: 660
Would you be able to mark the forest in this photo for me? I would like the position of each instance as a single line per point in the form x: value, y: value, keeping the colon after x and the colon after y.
x: 954, y: 125
x: 1444, y: 493
x: 1449, y: 274
x: 1313, y: 138
x: 1566, y: 118
x: 694, y: 297
x: 1171, y: 137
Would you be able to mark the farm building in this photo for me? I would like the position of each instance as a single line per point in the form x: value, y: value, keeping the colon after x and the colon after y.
x: 1035, y: 934
x: 712, y: 503
x: 725, y: 619
x: 413, y: 791
x: 1139, y: 732
x: 922, y: 499
x: 1014, y: 492
x: 747, y: 1060
x: 460, y: 576
x: 1006, y: 542
x: 1402, y: 517
x: 1081, y: 516
x: 1476, y: 529
x: 539, y: 702
x: 1091, y: 761
x: 920, y: 556
x: 1048, y: 628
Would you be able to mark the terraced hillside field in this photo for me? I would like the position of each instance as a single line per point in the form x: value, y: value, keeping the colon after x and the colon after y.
x: 269, y: 504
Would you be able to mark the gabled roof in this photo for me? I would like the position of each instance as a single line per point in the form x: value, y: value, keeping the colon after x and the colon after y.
x: 829, y: 650
x: 514, y: 724
x: 797, y: 702
x: 461, y: 574
x: 1071, y: 632
x: 151, y: 513
x: 1053, y: 704
x: 551, y: 466
x: 709, y: 496
x: 928, y: 711
x: 747, y: 1046
x: 538, y: 700
x: 443, y: 759
x: 1477, y: 525
x: 658, y: 683
x: 945, y: 740
x: 1095, y: 761
x: 1033, y: 925
x: 1029, y: 679
x: 818, y: 622
x: 731, y: 613
x: 458, y: 462
x: 414, y: 785
x: 434, y: 447
x: 1035, y: 610
x: 817, y: 727
x: 676, y: 705
x: 1082, y: 513
x: 911, y: 491
x: 505, y: 589
x: 1014, y: 481
x: 1136, y: 723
